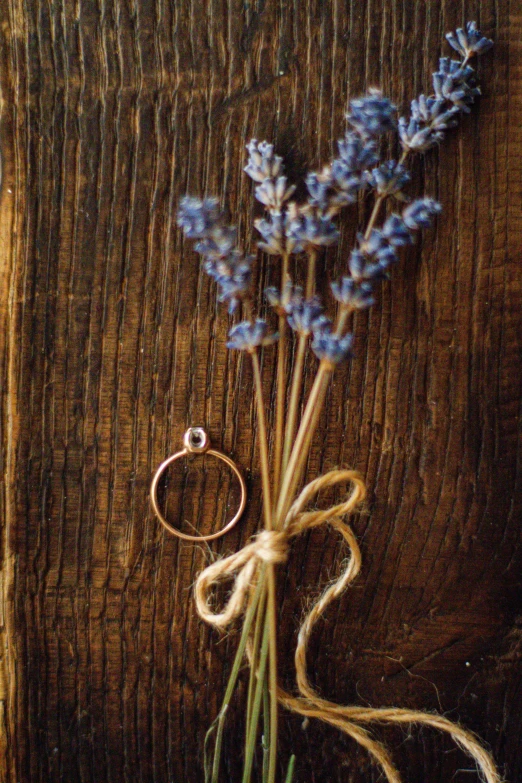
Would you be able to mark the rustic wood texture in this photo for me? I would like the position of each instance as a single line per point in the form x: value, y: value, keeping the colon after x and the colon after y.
x: 112, y: 343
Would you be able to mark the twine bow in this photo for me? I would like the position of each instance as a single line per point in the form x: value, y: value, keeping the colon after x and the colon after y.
x: 271, y: 546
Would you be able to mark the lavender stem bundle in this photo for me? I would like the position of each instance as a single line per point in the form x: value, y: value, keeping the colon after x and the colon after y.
x: 287, y: 229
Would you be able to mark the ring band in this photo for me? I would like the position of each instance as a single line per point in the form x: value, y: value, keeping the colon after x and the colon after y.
x: 196, y: 441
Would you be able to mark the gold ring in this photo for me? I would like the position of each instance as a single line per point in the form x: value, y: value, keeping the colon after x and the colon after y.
x: 197, y: 441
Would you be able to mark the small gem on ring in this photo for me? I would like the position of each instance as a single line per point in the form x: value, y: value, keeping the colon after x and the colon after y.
x: 196, y: 440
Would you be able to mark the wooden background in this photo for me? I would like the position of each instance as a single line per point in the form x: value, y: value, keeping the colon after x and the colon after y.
x: 112, y: 343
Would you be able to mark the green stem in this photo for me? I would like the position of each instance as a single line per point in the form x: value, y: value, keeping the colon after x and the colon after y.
x: 310, y: 275
x: 290, y: 772
x: 258, y: 673
x: 260, y: 617
x: 220, y: 721
x: 271, y: 617
x: 303, y: 439
x: 271, y: 624
x: 251, y: 738
x: 266, y: 731
x: 281, y: 385
x: 295, y: 393
x: 263, y: 447
x: 297, y: 377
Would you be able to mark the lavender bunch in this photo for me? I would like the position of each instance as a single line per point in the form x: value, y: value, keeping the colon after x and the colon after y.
x: 289, y: 228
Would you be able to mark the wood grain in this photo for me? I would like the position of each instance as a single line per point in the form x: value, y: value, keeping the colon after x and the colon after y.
x: 112, y: 343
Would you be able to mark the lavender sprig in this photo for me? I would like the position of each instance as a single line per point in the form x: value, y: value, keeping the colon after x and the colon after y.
x: 370, y: 261
x: 273, y: 192
x: 455, y: 89
x: 389, y: 179
x: 308, y: 227
x: 231, y: 269
x: 340, y: 183
x: 307, y: 316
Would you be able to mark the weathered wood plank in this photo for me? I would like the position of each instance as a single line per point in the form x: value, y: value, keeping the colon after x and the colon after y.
x: 112, y: 343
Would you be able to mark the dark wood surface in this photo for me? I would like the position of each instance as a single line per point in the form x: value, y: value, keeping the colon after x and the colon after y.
x: 112, y: 344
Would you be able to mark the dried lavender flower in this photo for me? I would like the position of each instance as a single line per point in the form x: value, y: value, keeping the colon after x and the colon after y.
x: 286, y: 300
x: 330, y: 346
x: 272, y: 231
x: 319, y: 187
x: 395, y: 231
x: 274, y: 298
x: 306, y: 316
x: 223, y: 260
x: 197, y: 217
x: 348, y: 292
x: 429, y: 118
x: 247, y: 336
x: 420, y: 213
x: 234, y: 277
x: 389, y: 179
x: 372, y: 115
x: 346, y: 183
x: 273, y: 193
x: 307, y: 227
x: 368, y: 264
x: 455, y: 83
x: 262, y: 163
x: 266, y: 168
x: 376, y: 248
x: 470, y: 41
x: 358, y: 153
x: 455, y: 88
x: 339, y: 184
x: 218, y: 243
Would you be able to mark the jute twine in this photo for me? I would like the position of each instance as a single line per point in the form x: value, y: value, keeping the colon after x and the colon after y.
x: 272, y: 547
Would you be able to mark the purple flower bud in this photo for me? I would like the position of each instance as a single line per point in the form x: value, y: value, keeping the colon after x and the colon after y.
x: 420, y: 213
x: 274, y: 193
x: 262, y: 163
x: 218, y: 243
x: 455, y: 84
x: 247, y: 336
x: 470, y: 41
x: 396, y: 231
x: 306, y: 315
x: 329, y: 346
x: 389, y: 179
x: 197, y: 217
x: 233, y: 276
x: 308, y: 227
x: 272, y: 231
x: 372, y: 115
x: 348, y: 292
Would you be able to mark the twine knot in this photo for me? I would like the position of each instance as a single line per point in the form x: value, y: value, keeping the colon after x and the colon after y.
x: 272, y: 546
